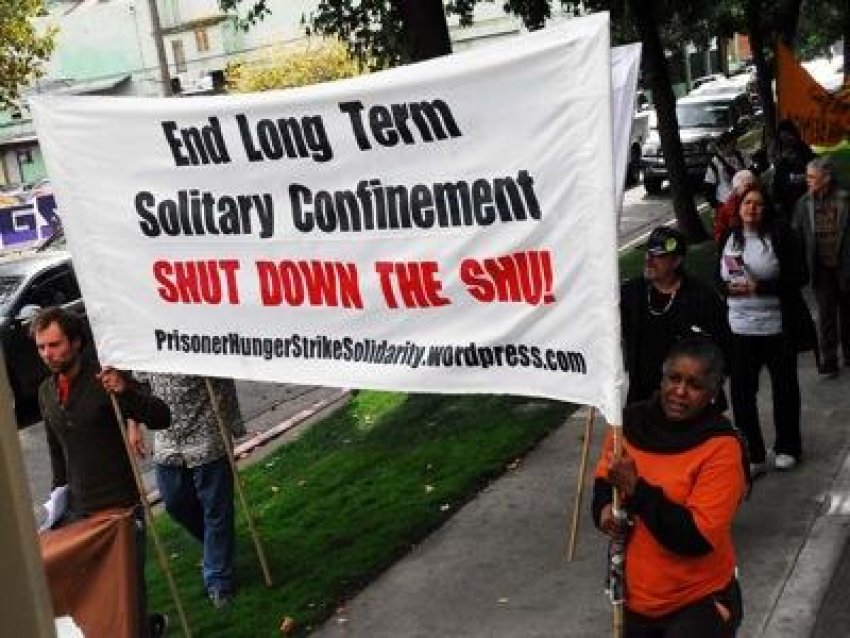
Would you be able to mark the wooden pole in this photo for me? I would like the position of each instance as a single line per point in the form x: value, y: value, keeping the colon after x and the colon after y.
x: 585, y: 452
x: 616, y: 502
x: 160, y: 553
x: 237, y: 483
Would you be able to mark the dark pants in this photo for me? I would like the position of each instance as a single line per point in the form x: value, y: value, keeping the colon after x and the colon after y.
x: 698, y: 620
x: 833, y: 319
x: 201, y: 500
x: 749, y: 355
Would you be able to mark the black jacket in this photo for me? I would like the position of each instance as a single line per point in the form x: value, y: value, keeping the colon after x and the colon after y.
x: 86, y: 448
x: 696, y: 304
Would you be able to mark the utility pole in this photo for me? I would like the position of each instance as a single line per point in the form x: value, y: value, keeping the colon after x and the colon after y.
x: 156, y: 31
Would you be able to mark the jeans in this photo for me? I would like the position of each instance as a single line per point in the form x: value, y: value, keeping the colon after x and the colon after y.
x: 778, y: 354
x: 201, y: 500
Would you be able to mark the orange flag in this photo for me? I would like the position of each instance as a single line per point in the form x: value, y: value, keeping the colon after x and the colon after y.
x: 823, y: 117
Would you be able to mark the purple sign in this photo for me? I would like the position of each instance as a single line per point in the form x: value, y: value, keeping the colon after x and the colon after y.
x: 27, y: 224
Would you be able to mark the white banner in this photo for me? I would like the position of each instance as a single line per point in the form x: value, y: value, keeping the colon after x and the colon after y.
x: 446, y: 226
x: 625, y: 69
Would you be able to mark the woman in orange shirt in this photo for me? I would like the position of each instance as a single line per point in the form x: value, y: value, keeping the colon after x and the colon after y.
x: 682, y: 474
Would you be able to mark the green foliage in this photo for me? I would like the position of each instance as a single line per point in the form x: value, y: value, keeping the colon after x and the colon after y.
x: 255, y: 12
x: 821, y: 25
x: 376, y: 31
x: 287, y: 68
x: 23, y: 50
x: 373, y: 29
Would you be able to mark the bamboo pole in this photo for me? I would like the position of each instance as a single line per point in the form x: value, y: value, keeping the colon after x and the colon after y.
x: 160, y: 553
x: 237, y: 483
x: 585, y: 452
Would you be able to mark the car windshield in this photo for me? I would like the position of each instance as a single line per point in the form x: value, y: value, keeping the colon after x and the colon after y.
x: 706, y: 114
x: 9, y: 284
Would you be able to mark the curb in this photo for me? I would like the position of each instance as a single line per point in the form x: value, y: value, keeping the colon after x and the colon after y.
x: 642, y: 237
x: 243, y: 452
x: 795, y: 611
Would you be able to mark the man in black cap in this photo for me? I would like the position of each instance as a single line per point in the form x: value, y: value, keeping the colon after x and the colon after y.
x: 662, y: 306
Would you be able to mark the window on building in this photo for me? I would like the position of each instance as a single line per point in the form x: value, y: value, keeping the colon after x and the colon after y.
x: 179, y: 55
x: 202, y: 40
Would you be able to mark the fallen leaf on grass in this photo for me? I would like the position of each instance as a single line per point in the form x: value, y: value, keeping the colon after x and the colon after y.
x: 287, y: 626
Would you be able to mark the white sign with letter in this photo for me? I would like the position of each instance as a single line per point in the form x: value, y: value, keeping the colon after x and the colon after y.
x: 447, y: 226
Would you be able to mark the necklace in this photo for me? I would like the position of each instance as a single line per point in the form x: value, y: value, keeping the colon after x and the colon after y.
x: 653, y: 311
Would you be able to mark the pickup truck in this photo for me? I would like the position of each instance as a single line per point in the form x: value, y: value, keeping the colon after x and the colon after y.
x: 702, y: 118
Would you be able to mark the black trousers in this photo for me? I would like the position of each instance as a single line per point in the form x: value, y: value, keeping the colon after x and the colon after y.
x: 833, y: 319
x: 698, y: 620
x: 778, y: 354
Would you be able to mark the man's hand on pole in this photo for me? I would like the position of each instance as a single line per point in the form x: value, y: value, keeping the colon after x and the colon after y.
x: 113, y: 380
x: 136, y: 439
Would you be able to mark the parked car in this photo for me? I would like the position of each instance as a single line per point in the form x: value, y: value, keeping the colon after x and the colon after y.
x: 29, y: 282
x: 701, y: 120
x: 706, y: 79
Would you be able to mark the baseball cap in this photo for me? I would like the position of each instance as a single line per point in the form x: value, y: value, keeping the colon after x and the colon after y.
x: 666, y: 241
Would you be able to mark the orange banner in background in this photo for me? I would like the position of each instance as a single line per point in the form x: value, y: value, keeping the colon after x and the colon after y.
x: 823, y: 117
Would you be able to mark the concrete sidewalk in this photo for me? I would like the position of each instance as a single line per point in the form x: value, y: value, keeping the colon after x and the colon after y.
x: 497, y: 568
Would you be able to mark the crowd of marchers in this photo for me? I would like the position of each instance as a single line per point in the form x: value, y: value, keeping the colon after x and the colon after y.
x: 682, y: 466
x: 688, y: 455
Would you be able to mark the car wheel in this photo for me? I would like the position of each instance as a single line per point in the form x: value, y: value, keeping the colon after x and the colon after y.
x: 633, y: 169
x: 652, y: 185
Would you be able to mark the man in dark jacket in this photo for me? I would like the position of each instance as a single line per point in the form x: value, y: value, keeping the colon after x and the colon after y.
x: 822, y: 223
x: 662, y: 306
x: 87, y: 451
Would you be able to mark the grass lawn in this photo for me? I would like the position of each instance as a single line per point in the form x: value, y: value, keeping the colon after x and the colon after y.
x: 355, y: 492
x: 349, y: 497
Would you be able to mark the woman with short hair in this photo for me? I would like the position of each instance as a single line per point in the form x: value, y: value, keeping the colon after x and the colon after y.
x: 682, y: 475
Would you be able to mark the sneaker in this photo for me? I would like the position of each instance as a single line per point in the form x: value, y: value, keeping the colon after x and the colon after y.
x: 219, y: 598
x: 157, y: 625
x: 784, y: 462
x: 757, y: 469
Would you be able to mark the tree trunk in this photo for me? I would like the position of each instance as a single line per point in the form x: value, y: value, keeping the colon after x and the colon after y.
x: 790, y: 20
x: 723, y: 54
x: 425, y: 29
x: 764, y: 75
x: 846, y: 41
x: 657, y: 76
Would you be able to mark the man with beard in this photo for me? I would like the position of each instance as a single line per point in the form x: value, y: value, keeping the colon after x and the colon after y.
x: 87, y: 452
